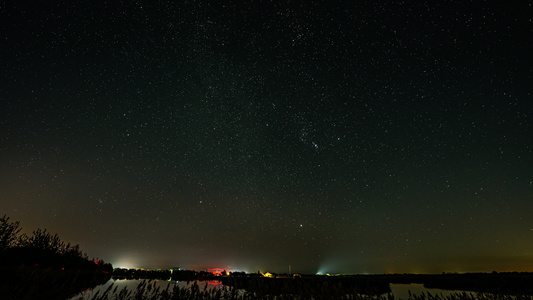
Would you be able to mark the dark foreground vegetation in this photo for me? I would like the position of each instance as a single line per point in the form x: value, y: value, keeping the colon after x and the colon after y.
x: 148, y: 290
x: 510, y: 283
x: 475, y: 285
x: 41, y: 266
x: 253, y: 286
x: 309, y: 286
x: 322, y: 291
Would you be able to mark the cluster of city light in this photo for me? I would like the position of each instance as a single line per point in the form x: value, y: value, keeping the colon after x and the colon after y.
x: 126, y: 262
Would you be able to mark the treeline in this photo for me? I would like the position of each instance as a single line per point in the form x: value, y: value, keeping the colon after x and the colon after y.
x: 43, y: 250
x: 41, y: 266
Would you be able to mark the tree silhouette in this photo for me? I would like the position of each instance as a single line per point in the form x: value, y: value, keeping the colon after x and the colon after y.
x: 41, y: 239
x: 9, y: 233
x: 43, y: 249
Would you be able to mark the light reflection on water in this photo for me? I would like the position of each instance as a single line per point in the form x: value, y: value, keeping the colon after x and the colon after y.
x: 131, y: 285
x: 400, y: 291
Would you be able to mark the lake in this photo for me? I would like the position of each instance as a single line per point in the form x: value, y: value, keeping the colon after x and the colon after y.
x: 400, y: 291
x: 131, y: 284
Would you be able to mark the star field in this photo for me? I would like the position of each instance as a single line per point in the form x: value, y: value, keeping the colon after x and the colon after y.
x: 356, y: 138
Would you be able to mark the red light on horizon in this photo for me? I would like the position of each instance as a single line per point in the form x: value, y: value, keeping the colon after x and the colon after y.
x: 217, y: 271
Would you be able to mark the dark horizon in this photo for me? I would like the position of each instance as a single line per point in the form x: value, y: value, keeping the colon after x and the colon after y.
x: 364, y: 138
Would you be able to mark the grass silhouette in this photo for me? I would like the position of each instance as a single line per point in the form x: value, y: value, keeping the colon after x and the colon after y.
x: 147, y: 289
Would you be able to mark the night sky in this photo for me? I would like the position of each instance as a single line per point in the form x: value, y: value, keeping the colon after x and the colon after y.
x: 354, y: 137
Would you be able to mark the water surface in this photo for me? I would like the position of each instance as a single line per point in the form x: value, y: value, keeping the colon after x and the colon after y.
x: 400, y: 291
x: 131, y: 285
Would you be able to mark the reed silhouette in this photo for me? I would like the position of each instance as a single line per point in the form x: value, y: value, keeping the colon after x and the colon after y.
x: 310, y: 290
